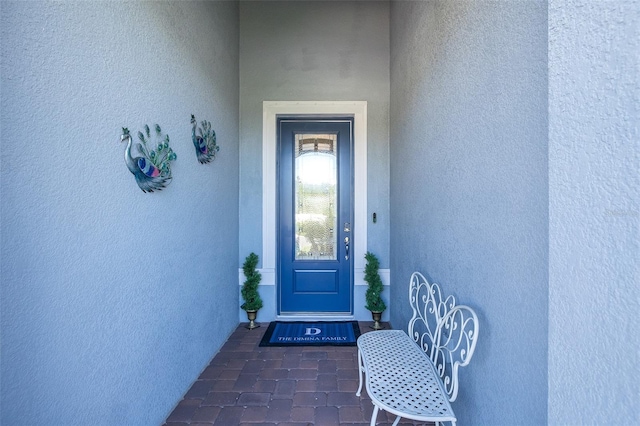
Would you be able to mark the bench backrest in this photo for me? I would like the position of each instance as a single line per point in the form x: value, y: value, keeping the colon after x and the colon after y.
x: 446, y: 332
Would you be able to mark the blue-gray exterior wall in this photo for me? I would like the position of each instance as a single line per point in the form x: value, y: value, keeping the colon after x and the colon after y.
x: 594, y: 212
x: 469, y: 187
x: 113, y: 300
x: 87, y: 331
x: 313, y: 51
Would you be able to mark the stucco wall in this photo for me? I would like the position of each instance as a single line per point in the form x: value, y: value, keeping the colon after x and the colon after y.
x: 113, y: 300
x: 305, y: 51
x: 469, y: 187
x: 594, y: 212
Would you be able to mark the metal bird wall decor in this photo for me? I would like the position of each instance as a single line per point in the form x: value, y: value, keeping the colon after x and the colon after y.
x: 204, y: 141
x: 151, y: 167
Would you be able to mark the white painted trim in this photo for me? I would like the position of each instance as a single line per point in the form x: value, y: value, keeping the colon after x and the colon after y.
x: 306, y: 317
x: 385, y: 276
x: 269, y: 276
x: 270, y: 109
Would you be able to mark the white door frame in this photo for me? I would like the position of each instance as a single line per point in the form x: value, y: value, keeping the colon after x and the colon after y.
x: 270, y: 111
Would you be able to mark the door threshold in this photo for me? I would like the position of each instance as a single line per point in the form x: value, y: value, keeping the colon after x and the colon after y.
x: 314, y: 317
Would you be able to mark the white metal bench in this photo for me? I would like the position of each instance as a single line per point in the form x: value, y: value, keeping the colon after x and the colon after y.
x: 415, y: 376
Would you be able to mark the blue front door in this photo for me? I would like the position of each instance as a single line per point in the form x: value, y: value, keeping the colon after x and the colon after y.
x: 315, y: 216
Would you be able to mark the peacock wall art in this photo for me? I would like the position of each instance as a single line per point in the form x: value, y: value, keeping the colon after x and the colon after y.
x: 204, y: 140
x: 151, y: 167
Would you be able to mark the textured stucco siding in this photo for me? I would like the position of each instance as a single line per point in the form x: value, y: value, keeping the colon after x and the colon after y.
x: 313, y: 51
x: 594, y: 212
x: 503, y: 163
x: 469, y: 194
x: 113, y: 300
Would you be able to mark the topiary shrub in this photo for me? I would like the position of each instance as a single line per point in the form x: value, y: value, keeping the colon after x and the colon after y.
x: 372, y: 277
x: 250, y: 295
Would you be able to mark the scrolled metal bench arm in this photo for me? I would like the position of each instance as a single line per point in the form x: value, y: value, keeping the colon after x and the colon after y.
x: 445, y: 332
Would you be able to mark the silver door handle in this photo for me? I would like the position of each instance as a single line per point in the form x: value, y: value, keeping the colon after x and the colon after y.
x: 346, y: 246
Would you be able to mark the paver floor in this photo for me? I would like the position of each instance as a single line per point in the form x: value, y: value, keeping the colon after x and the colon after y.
x: 246, y: 384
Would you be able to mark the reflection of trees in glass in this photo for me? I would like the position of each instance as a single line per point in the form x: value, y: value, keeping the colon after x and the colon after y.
x: 315, y: 220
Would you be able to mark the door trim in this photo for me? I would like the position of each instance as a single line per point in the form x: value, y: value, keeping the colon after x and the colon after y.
x: 270, y: 111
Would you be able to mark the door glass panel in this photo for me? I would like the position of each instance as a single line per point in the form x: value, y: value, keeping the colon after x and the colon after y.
x: 315, y: 197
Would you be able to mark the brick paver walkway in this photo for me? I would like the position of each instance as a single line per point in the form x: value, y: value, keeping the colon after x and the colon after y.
x: 290, y: 386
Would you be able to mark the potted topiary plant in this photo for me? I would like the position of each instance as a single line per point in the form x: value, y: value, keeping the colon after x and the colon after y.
x: 374, y: 302
x: 250, y: 295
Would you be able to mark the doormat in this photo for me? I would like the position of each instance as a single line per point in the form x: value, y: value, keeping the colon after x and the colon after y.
x: 304, y: 333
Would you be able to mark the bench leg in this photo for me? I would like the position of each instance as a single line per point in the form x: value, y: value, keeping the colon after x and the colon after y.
x: 374, y: 416
x: 397, y: 420
x: 360, y: 372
